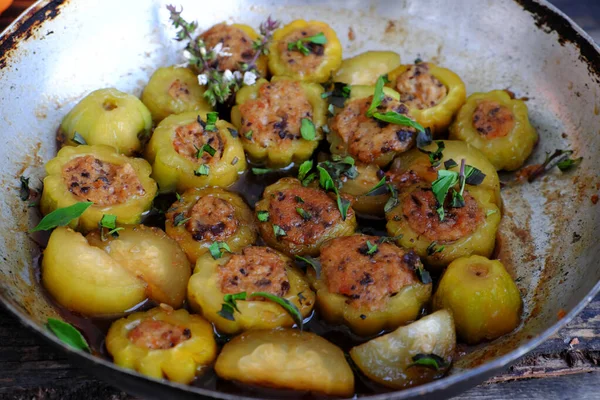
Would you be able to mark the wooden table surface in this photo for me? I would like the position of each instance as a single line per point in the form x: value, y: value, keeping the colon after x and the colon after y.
x: 567, y: 366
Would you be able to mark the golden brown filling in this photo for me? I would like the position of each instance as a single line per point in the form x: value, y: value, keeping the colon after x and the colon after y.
x: 190, y: 139
x: 369, y: 138
x: 257, y: 269
x: 296, y: 60
x: 234, y: 41
x: 103, y: 183
x: 275, y: 117
x: 319, y: 212
x: 212, y: 218
x: 493, y: 120
x: 367, y: 279
x: 179, y: 90
x: 419, y: 89
x: 419, y: 208
x: 158, y: 335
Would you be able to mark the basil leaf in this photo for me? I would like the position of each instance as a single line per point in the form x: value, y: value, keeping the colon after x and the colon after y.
x: 285, y: 304
x: 325, y: 180
x: 108, y: 221
x: 304, y: 214
x: 211, y: 120
x: 62, y: 216
x: 393, y: 200
x: 68, y: 334
x: 203, y: 170
x: 205, y: 148
x: 424, y: 138
x: 230, y: 305
x: 77, y: 138
x: 217, y: 249
x: 263, y: 216
x: 378, y: 95
x: 432, y: 361
x: 440, y: 187
x: 371, y: 248
x: 307, y: 129
x: 180, y: 219
x: 314, y: 263
x: 311, y: 177
x: 398, y: 119
x: 304, y: 169
x: 374, y: 190
x: 248, y: 134
x: 319, y: 38
x: 278, y: 231
x: 473, y: 176
x: 450, y: 164
x: 568, y: 164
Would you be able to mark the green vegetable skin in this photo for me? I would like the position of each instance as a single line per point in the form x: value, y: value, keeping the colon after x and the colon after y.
x: 110, y: 117
x: 387, y: 359
x: 485, y: 301
x: 173, y: 90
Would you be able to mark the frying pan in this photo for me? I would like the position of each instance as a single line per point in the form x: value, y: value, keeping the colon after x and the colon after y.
x: 60, y: 50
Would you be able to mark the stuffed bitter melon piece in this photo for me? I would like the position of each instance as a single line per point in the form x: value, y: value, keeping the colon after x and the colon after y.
x: 365, y: 68
x: 368, y: 284
x: 358, y: 188
x: 432, y: 93
x: 482, y: 296
x: 254, y: 269
x: 108, y: 117
x: 286, y: 359
x: 498, y: 125
x: 116, y: 184
x: 202, y: 217
x: 193, y: 150
x: 411, y: 355
x: 163, y: 344
x: 281, y: 121
x: 173, y: 90
x: 305, y: 50
x: 466, y: 230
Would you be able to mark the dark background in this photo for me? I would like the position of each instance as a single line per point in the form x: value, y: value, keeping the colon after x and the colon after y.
x: 567, y: 366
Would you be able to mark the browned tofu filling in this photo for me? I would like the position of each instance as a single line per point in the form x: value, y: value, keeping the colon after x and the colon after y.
x: 367, y: 279
x: 103, y: 183
x: 306, y: 227
x: 190, y: 139
x: 493, y: 120
x: 368, y: 138
x: 234, y: 40
x: 275, y: 117
x: 420, y: 211
x: 419, y: 89
x: 212, y: 218
x: 158, y: 335
x: 179, y: 91
x: 296, y: 60
x: 257, y: 269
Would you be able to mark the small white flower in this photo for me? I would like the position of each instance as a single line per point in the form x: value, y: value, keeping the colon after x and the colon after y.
x: 187, y: 55
x: 221, y: 51
x: 249, y: 78
x: 202, y: 79
x: 237, y: 75
x: 227, y: 76
x: 203, y: 51
x: 218, y: 47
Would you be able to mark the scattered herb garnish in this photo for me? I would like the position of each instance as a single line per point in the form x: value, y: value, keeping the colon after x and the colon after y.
x: 180, y: 219
x: 278, y: 231
x: 206, y: 148
x: 68, y: 334
x: 389, y: 239
x: 379, y: 95
x: 62, y: 216
x: 77, y: 138
x: 490, y: 212
x: 396, y: 118
x: 435, y: 157
x: 378, y: 189
x: 423, y: 275
x: 337, y: 93
x: 393, y: 200
x: 424, y: 138
x: 299, y: 199
x: 304, y: 169
x: 263, y: 216
x: 261, y: 171
x: 24, y: 191
x: 217, y: 249
x: 448, y: 164
x: 307, y: 129
x: 560, y: 159
x: 109, y: 221
x: 432, y: 361
x: 304, y: 214
x: 371, y: 248
x: 202, y: 170
x: 248, y: 135
x: 229, y: 305
x: 327, y: 183
x: 314, y: 263
x: 211, y: 120
x: 433, y: 248
x: 298, y: 45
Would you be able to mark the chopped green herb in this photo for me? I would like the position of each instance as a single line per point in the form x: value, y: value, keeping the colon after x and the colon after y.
x: 299, y: 199
x: 77, y: 138
x: 393, y: 200
x: 490, y: 212
x: 62, y: 216
x: 435, y: 157
x: 206, y: 148
x: 560, y: 158
x: 278, y: 231
x: 319, y: 39
x: 109, y: 222
x: 338, y: 94
x: 450, y: 164
x: 389, y: 239
x: 424, y: 138
x: 248, y: 135
x: 263, y: 216
x: 311, y: 177
x: 431, y: 361
x: 304, y: 214
x: 371, y: 248
x: 393, y: 117
x: 327, y: 183
x: 307, y: 129
x: 261, y: 171
x: 285, y: 304
x: 441, y: 186
x: 211, y: 120
x: 433, y: 248
x: 343, y: 206
x: 567, y: 164
x: 473, y: 176
x: 304, y: 169
x: 202, y: 170
x: 217, y: 249
x: 24, y: 191
x: 180, y: 219
x: 68, y: 334
x: 376, y: 190
x: 423, y: 275
x: 314, y: 263
x: 230, y: 305
x: 378, y: 95
x: 178, y: 196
